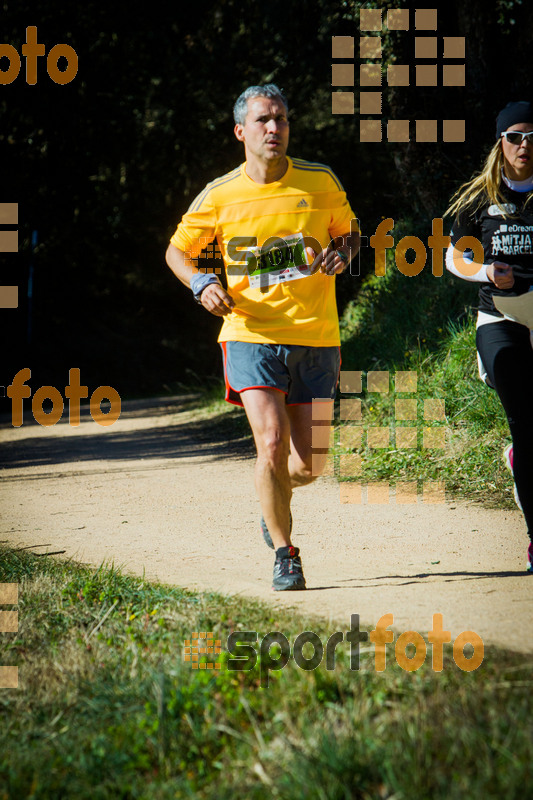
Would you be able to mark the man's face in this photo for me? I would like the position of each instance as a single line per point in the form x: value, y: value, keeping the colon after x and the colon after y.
x: 265, y: 132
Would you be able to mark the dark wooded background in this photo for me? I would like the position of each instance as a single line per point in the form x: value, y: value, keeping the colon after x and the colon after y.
x: 104, y: 167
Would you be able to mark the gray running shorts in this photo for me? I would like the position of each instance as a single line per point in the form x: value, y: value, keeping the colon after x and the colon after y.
x: 301, y: 373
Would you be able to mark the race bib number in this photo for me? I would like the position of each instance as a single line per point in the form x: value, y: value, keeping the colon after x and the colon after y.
x: 282, y: 260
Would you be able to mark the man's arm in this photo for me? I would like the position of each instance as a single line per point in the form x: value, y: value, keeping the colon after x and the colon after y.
x: 329, y: 261
x: 214, y: 297
x: 349, y: 244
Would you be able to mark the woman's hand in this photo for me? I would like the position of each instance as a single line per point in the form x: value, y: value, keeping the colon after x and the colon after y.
x: 501, y: 274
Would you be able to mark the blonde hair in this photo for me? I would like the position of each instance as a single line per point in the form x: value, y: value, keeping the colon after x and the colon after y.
x: 486, y: 185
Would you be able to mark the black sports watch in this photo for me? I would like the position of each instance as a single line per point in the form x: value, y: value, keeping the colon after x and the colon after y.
x: 198, y: 297
x: 343, y: 257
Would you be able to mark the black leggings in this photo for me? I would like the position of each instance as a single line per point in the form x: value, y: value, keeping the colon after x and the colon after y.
x: 507, y: 356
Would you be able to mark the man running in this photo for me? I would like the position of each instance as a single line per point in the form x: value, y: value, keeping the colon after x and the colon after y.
x: 280, y: 331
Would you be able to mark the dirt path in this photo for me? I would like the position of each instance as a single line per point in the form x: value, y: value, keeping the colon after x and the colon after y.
x: 153, y: 493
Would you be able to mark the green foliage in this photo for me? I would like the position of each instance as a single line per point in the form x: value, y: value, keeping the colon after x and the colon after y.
x: 506, y: 9
x: 421, y: 324
x: 107, y: 708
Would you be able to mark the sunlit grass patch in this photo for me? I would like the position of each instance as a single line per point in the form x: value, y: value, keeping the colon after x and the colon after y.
x: 107, y: 707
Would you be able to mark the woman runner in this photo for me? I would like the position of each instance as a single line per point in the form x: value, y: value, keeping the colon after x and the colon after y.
x: 495, y: 207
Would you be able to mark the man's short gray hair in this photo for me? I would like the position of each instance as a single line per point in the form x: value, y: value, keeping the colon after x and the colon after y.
x: 270, y: 90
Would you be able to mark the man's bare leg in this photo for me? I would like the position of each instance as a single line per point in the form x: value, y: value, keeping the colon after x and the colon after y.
x: 284, y: 440
x: 306, y: 462
x: 268, y: 418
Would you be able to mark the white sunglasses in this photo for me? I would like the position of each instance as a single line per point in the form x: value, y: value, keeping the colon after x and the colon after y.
x: 517, y: 137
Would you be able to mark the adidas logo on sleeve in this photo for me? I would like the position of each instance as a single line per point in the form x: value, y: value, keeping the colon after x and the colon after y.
x: 302, y: 204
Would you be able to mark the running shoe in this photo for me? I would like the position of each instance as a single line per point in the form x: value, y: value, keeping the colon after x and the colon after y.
x: 266, y: 535
x: 529, y: 567
x: 288, y: 572
x: 508, y: 458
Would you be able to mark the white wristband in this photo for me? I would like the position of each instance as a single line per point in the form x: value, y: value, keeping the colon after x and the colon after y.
x: 479, y: 277
x: 199, y: 281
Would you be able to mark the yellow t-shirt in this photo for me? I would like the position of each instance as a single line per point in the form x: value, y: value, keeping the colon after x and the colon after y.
x: 309, y: 200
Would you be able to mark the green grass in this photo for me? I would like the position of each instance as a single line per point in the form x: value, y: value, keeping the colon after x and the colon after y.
x: 420, y: 324
x: 107, y: 708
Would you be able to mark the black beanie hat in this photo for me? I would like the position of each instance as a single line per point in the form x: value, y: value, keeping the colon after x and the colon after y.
x: 513, y: 113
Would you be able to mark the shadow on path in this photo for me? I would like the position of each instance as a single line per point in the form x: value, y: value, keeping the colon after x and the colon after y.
x: 406, y: 580
x: 216, y: 438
